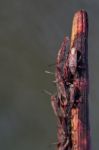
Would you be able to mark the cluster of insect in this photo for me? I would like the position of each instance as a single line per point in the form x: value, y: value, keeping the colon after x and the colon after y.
x: 70, y: 81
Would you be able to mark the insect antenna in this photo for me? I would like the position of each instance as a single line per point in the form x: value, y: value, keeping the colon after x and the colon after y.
x: 47, y: 92
x: 52, y: 144
x: 48, y: 72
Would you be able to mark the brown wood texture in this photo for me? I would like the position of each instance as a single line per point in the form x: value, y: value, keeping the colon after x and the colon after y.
x: 80, y: 122
x: 70, y: 104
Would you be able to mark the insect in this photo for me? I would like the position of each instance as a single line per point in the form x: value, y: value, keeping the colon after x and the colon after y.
x: 71, y: 79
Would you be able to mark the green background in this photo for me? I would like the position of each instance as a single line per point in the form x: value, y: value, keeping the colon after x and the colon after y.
x: 31, y: 32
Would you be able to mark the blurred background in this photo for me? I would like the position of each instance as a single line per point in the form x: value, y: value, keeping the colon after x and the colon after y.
x: 30, y: 35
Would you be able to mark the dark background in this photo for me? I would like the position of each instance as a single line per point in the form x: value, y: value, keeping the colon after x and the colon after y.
x: 31, y: 32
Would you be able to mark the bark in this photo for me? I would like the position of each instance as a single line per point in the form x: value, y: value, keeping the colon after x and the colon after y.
x: 70, y: 104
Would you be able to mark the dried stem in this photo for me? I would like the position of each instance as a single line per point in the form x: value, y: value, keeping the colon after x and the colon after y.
x: 70, y: 105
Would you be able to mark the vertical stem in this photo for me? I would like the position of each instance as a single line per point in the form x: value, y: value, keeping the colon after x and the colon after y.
x: 70, y: 105
x: 80, y: 124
